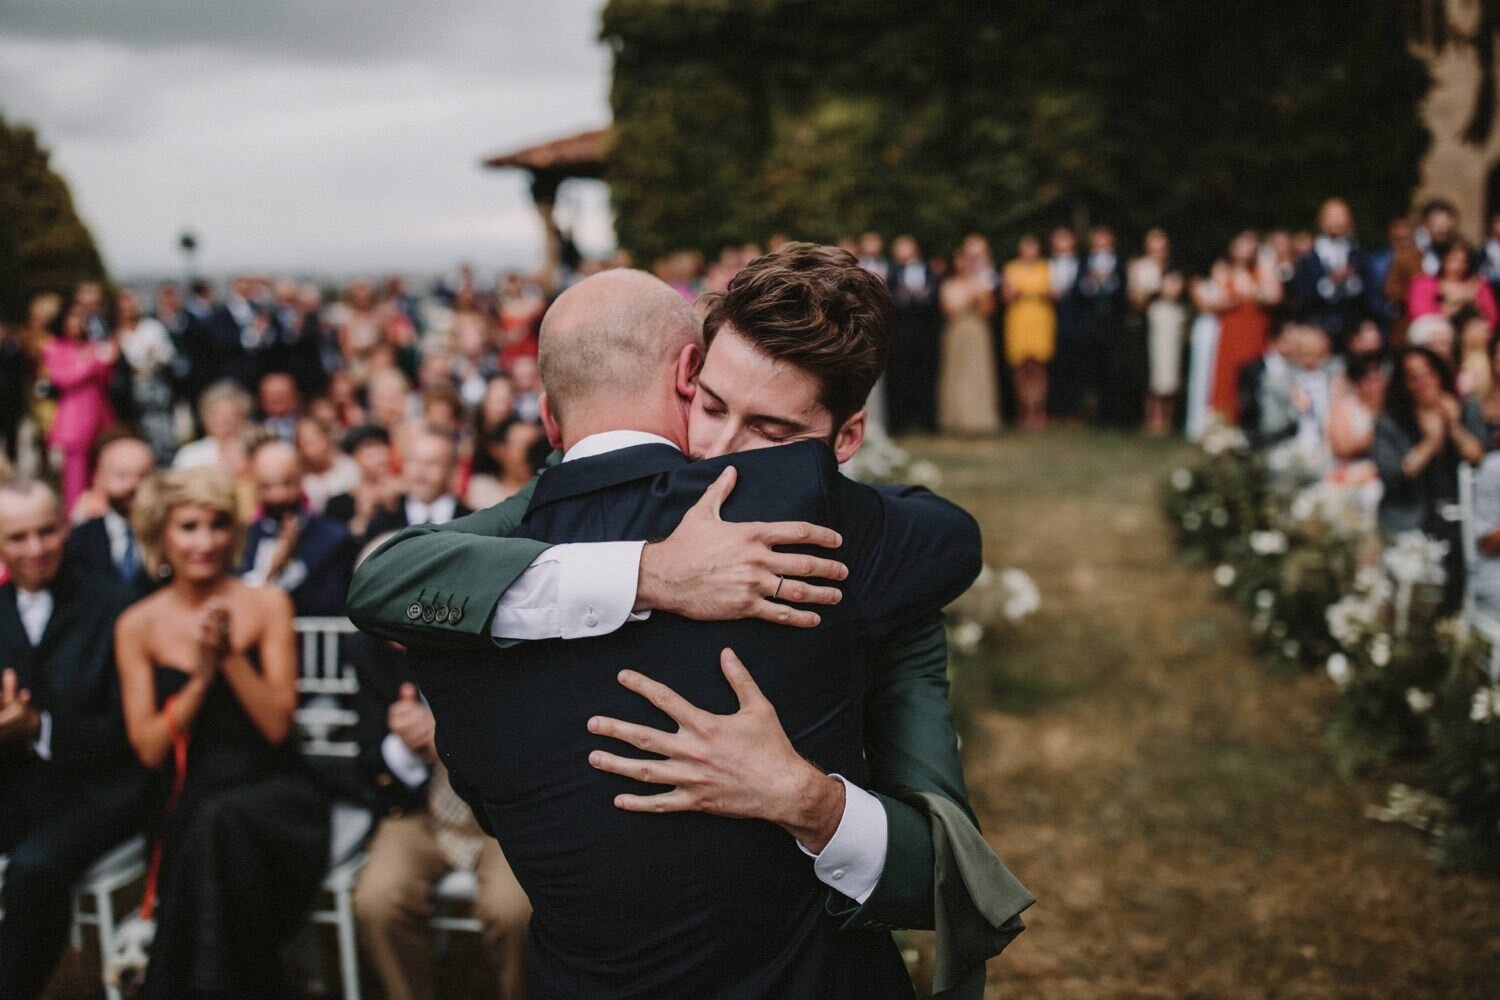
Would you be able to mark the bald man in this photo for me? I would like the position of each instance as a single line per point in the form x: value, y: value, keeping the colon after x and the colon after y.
x: 107, y: 543
x: 70, y: 787
x: 309, y: 556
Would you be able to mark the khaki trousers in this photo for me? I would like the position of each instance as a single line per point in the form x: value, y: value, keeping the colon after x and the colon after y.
x: 393, y: 902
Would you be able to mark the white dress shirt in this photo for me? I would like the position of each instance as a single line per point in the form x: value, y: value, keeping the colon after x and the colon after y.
x: 577, y: 590
x: 118, y: 530
x: 440, y: 511
x: 35, y: 610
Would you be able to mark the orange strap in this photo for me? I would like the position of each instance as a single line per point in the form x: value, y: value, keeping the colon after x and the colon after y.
x: 180, y: 742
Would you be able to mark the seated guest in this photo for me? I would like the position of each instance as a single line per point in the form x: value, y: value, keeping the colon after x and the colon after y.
x: 510, y: 446
x: 1357, y: 403
x: 208, y: 670
x: 377, y: 491
x: 526, y: 381
x: 1485, y: 585
x: 69, y: 786
x: 106, y: 543
x: 326, y: 470
x: 1453, y: 290
x: 431, y: 459
x: 311, y: 557
x: 427, y: 831
x: 443, y: 409
x: 224, y: 410
x: 1473, y: 358
x: 280, y: 405
x: 1295, y: 403
x: 1254, y: 377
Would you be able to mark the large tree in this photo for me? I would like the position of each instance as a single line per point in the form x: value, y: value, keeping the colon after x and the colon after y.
x: 44, y: 246
x: 738, y: 118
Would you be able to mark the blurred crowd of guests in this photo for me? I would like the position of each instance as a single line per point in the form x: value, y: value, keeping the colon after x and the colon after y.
x: 221, y: 463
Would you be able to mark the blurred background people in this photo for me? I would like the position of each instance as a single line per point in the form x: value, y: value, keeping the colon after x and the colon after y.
x: 104, y: 542
x: 78, y: 369
x: 968, y: 391
x: 1030, y: 329
x: 309, y: 556
x: 911, y: 387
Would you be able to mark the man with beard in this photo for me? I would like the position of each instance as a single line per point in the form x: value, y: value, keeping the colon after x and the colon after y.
x: 309, y: 556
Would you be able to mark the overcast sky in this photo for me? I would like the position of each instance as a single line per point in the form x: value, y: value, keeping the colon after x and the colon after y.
x: 327, y: 136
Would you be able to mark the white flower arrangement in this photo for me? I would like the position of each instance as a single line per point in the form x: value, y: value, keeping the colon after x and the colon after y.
x: 1224, y: 575
x: 1338, y: 669
x: 1182, y: 480
x: 1268, y: 543
x: 1485, y: 707
x: 1420, y: 701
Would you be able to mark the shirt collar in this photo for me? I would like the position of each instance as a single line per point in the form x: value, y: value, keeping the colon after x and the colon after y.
x: 440, y: 511
x: 608, y: 441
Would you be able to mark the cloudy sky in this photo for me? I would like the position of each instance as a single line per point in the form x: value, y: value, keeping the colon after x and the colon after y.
x: 322, y: 136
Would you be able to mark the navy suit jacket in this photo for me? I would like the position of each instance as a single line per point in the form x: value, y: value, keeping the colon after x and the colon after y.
x: 326, y: 549
x: 88, y: 549
x: 1338, y: 309
x: 688, y: 904
x: 70, y: 673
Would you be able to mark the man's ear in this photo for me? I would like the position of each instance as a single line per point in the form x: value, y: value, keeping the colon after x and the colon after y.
x: 689, y: 364
x: 850, y: 436
x: 549, y: 421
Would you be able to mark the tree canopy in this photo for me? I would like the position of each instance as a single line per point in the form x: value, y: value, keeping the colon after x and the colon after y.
x: 736, y: 119
x: 44, y: 246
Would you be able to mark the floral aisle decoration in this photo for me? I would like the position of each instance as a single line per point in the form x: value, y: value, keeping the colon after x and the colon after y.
x: 1296, y: 544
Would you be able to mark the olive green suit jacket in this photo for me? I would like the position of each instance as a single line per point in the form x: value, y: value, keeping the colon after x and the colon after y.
x: 409, y: 589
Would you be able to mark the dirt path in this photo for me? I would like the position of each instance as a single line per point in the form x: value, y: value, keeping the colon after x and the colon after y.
x: 1165, y: 796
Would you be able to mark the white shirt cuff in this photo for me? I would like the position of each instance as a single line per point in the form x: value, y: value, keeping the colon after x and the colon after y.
x: 42, y: 745
x: 403, y: 763
x: 854, y: 858
x: 571, y: 592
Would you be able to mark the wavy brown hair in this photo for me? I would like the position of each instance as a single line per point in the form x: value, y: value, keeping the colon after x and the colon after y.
x: 814, y: 307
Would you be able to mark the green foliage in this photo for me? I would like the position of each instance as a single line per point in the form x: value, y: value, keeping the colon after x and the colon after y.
x: 44, y: 246
x: 1466, y: 766
x: 739, y: 118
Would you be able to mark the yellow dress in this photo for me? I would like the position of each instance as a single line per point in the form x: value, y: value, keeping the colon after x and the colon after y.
x: 1030, y: 320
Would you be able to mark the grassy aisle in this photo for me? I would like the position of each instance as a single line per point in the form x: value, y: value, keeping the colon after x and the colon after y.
x: 1166, y: 797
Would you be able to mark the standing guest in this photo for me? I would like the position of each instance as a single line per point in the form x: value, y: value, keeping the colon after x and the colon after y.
x: 358, y: 326
x: 510, y: 447
x: 41, y: 320
x: 426, y: 831
x: 872, y: 256
x: 208, y: 673
x: 1473, y: 356
x: 390, y: 398
x: 1454, y: 292
x: 192, y: 349
x: 968, y: 392
x: 431, y: 459
x: 526, y: 382
x: 70, y: 788
x: 309, y: 556
x: 1429, y: 245
x: 232, y: 328
x: 1030, y: 329
x: 15, y: 380
x: 280, y: 405
x: 493, y: 410
x: 377, y: 492
x: 1068, y: 379
x: 913, y: 372
x: 1357, y: 404
x: 1367, y: 341
x: 1143, y: 284
x: 1102, y: 285
x: 89, y: 298
x: 1329, y: 288
x: 224, y: 410
x: 1240, y: 292
x: 79, y: 370
x: 326, y: 471
x: 105, y: 543
x: 149, y: 359
x: 1384, y: 311
x: 1166, y: 331
x: 348, y: 413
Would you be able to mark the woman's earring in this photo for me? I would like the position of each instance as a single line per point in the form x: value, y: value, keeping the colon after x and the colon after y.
x: 164, y: 571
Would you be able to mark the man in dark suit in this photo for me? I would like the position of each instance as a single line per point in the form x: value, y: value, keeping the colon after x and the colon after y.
x: 911, y: 391
x: 1068, y: 374
x: 900, y: 892
x: 311, y: 557
x: 1112, y: 364
x: 429, y: 463
x: 107, y: 543
x: 1329, y: 285
x: 71, y: 788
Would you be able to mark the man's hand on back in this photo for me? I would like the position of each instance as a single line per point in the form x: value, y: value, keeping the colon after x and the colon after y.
x: 710, y: 569
x: 741, y: 765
